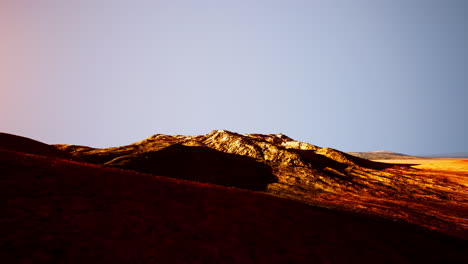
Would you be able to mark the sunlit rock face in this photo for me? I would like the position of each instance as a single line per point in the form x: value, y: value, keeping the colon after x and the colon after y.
x: 279, y: 165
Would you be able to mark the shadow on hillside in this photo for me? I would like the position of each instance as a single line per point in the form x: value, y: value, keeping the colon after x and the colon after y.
x: 369, y: 163
x: 320, y: 162
x: 338, y: 160
x: 200, y: 164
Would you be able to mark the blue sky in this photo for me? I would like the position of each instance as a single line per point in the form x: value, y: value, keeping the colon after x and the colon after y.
x: 355, y: 75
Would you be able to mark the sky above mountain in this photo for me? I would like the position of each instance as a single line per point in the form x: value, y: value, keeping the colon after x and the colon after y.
x: 356, y: 75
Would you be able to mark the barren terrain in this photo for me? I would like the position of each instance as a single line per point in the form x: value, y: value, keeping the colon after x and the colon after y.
x: 59, y: 207
x: 281, y: 166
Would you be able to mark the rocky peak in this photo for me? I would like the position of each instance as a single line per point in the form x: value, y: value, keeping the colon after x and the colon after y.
x: 265, y: 148
x: 223, y: 136
x: 275, y: 149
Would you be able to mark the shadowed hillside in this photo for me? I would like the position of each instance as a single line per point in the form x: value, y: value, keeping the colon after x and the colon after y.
x: 61, y: 211
x: 297, y: 170
x: 22, y: 144
x: 200, y: 164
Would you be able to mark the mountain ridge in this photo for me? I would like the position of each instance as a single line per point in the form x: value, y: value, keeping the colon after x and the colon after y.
x: 382, y: 155
x: 279, y: 165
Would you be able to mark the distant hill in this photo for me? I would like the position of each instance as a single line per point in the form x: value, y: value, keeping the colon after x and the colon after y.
x: 462, y: 155
x: 382, y: 155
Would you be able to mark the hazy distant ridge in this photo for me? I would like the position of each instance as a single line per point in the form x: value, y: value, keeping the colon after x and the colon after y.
x: 448, y: 155
x: 381, y: 155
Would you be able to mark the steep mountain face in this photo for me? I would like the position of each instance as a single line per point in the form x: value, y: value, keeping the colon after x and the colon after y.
x: 282, y: 166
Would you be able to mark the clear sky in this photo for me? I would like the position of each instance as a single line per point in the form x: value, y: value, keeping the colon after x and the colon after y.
x: 356, y: 75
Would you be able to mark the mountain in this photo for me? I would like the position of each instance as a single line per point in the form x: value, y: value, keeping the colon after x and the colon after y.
x: 57, y: 210
x: 281, y: 166
x: 382, y: 155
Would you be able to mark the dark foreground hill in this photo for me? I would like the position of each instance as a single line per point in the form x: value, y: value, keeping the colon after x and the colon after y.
x: 62, y: 211
x: 27, y: 145
x: 284, y: 167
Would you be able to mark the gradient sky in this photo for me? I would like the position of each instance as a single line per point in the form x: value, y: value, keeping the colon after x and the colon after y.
x: 356, y: 75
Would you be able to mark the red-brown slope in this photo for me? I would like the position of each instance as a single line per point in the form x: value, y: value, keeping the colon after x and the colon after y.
x: 27, y: 145
x: 58, y: 211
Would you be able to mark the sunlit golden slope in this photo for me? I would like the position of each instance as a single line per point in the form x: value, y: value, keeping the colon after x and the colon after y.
x: 442, y: 164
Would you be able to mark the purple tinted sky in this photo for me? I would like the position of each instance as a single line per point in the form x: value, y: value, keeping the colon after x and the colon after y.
x: 353, y: 75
